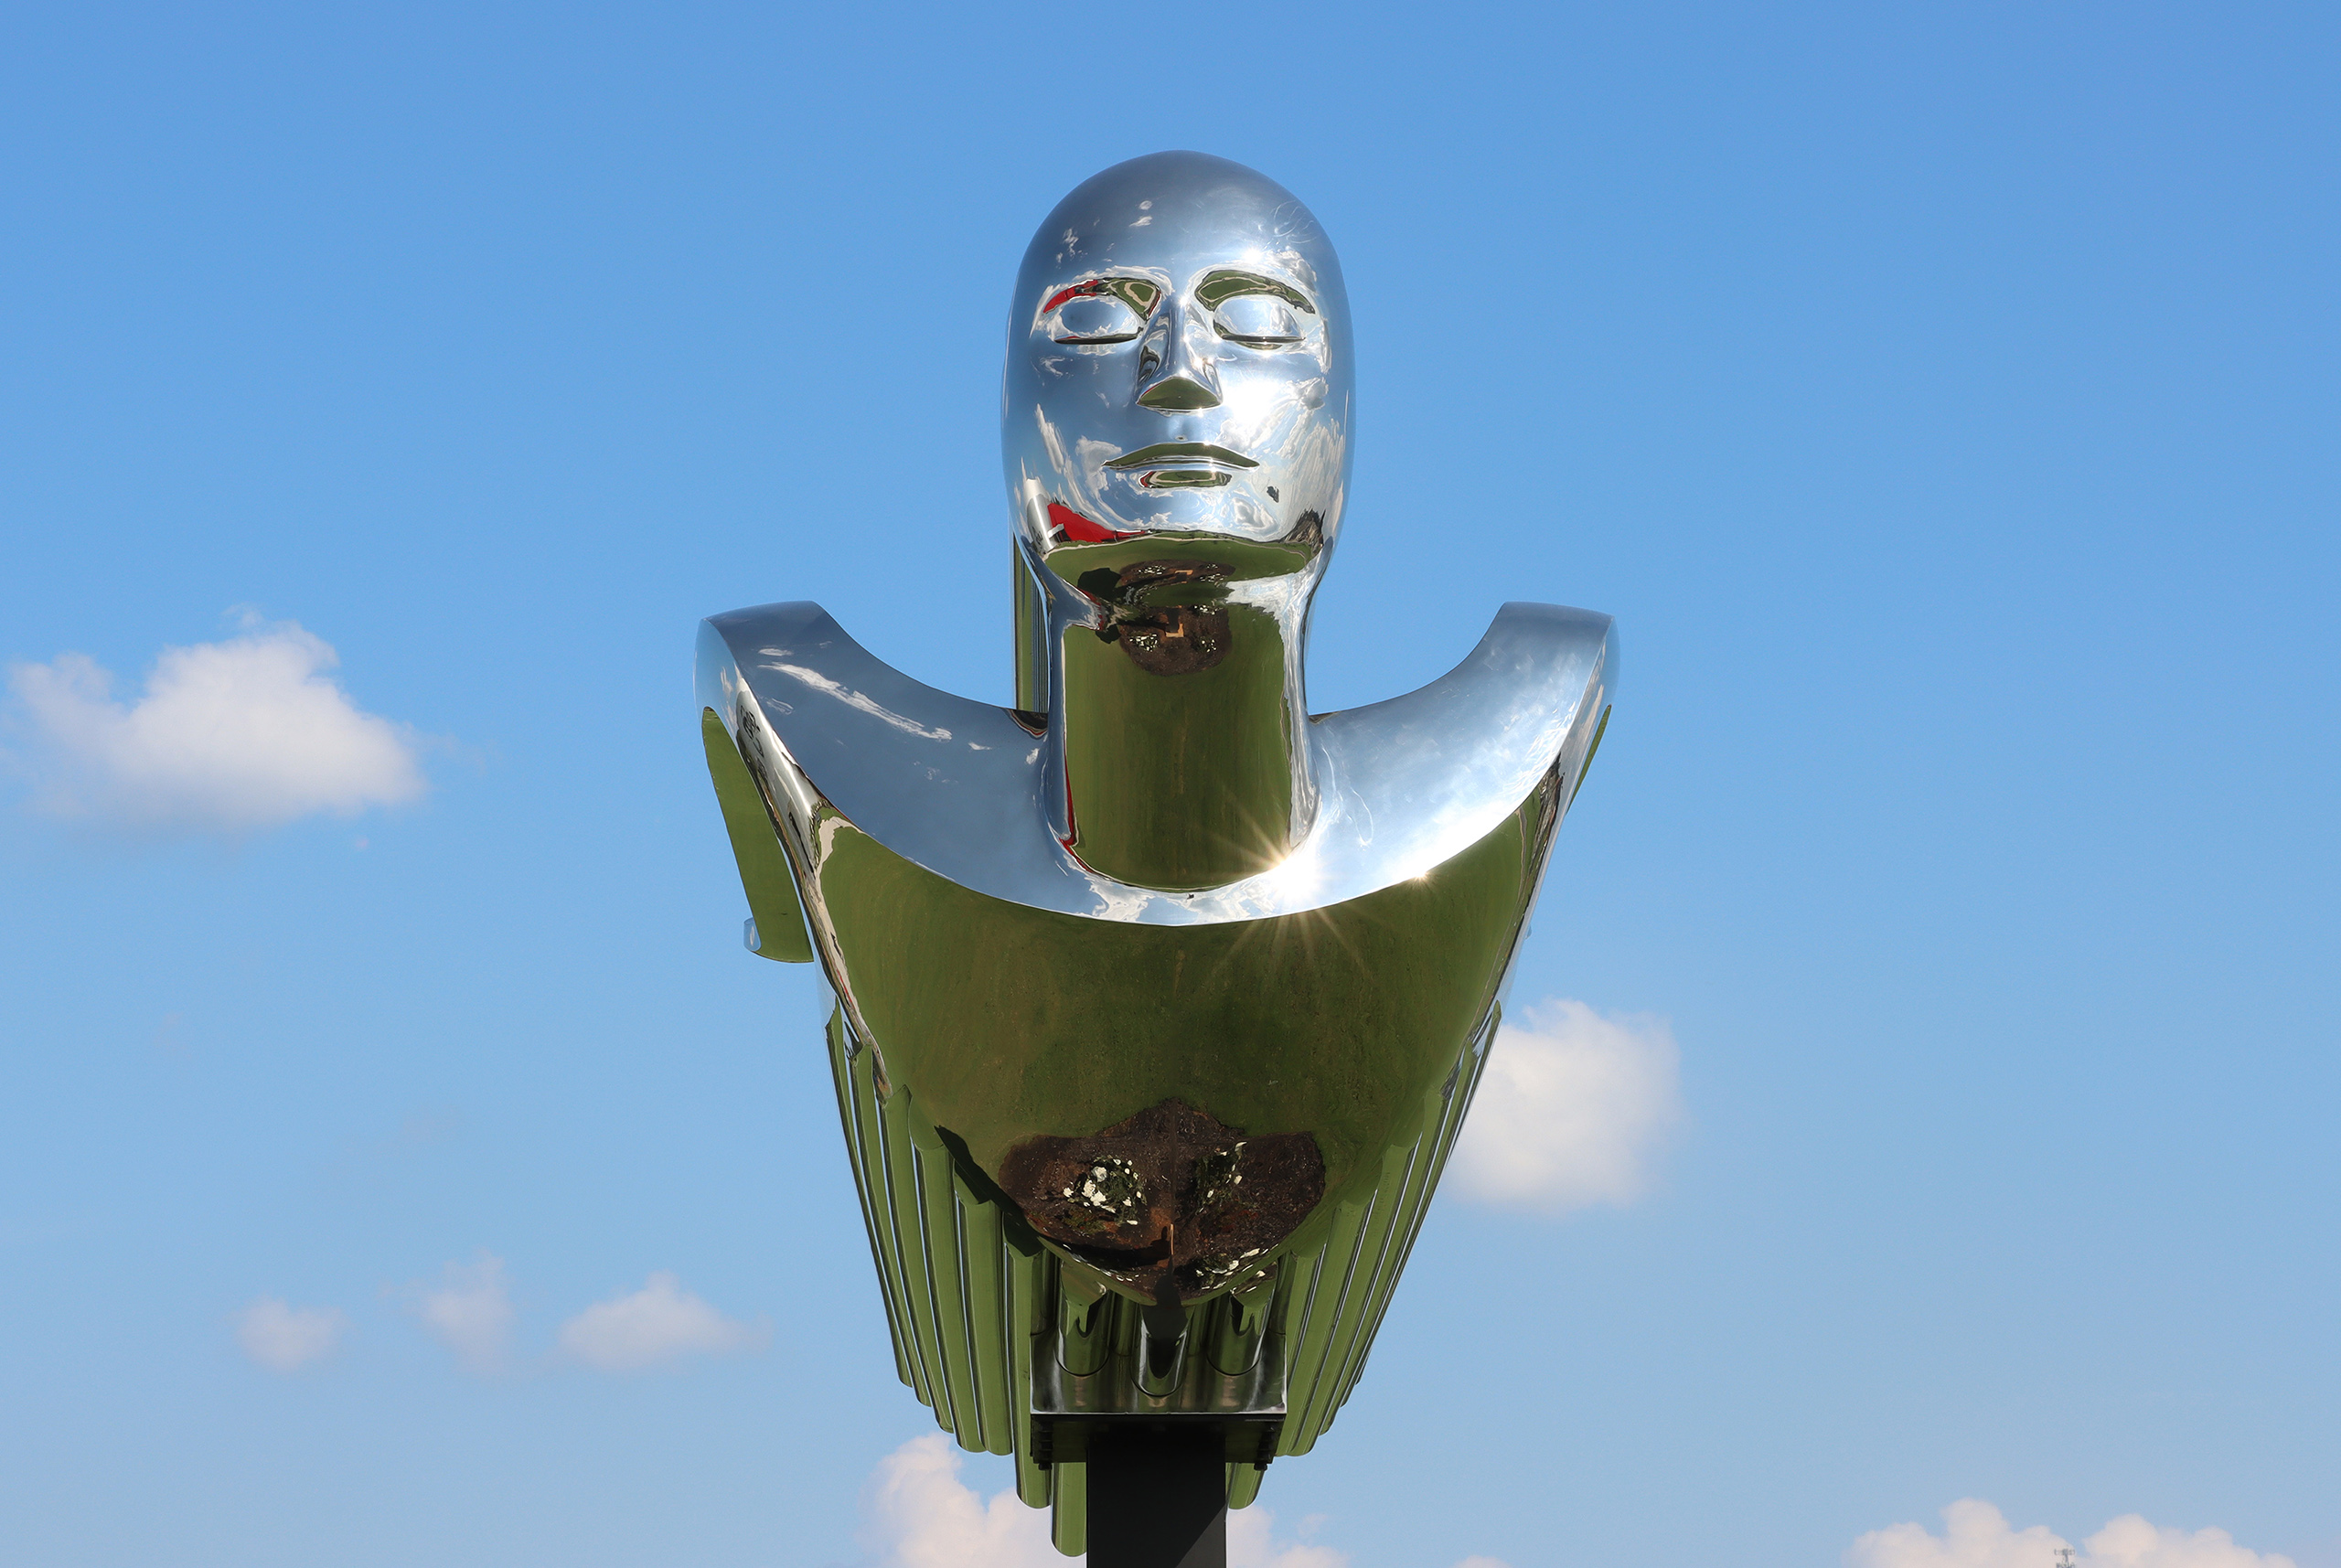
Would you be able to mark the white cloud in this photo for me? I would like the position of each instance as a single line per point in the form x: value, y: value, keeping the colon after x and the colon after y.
x: 1251, y: 1545
x: 660, y: 1322
x: 1484, y: 1563
x: 917, y: 1513
x: 228, y: 737
x: 1977, y: 1535
x: 471, y: 1312
x: 1572, y: 1109
x: 286, y: 1338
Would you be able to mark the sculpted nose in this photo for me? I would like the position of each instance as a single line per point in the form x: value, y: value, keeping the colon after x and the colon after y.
x: 1174, y: 364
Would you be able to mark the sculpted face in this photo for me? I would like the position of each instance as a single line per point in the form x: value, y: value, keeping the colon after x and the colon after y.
x: 1179, y: 365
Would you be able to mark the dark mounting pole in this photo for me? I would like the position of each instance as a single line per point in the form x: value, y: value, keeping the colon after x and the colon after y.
x: 1158, y: 1497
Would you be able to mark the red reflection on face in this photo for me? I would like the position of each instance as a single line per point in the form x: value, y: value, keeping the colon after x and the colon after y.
x: 1080, y: 529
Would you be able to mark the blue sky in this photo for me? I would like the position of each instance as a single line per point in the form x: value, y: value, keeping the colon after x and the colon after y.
x: 1941, y: 398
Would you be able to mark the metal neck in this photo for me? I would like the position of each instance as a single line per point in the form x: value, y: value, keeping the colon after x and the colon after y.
x: 1174, y: 695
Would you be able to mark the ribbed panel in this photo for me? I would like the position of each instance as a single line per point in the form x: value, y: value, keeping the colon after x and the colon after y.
x: 1340, y: 1295
x: 962, y: 1298
x: 1454, y: 1104
x: 865, y: 1152
x: 966, y: 1290
x: 1310, y: 1331
x: 1412, y: 1175
x: 1334, y: 1335
x: 1069, y: 1505
x: 1027, y: 1277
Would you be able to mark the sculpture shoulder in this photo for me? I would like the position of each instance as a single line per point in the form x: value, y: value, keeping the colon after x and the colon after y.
x: 944, y: 781
x: 954, y: 786
x: 1511, y: 702
x: 803, y: 669
x: 1409, y: 782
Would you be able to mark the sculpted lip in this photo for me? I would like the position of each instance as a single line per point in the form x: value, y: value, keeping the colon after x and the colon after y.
x: 1179, y: 451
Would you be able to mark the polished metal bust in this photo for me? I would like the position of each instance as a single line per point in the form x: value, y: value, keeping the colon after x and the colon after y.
x: 1175, y: 431
x: 1158, y: 1000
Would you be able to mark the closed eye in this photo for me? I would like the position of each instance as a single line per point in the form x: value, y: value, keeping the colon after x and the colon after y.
x: 1100, y: 318
x: 1255, y: 310
x: 1256, y: 321
x: 1102, y: 310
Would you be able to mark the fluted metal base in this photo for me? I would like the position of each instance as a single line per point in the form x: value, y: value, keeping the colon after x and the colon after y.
x: 1158, y: 1497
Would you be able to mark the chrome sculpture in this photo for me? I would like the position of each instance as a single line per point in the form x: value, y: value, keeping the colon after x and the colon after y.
x: 1158, y: 999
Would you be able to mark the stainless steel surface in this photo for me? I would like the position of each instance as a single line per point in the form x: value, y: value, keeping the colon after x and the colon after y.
x: 1177, y: 482
x: 969, y: 792
x: 1157, y: 1000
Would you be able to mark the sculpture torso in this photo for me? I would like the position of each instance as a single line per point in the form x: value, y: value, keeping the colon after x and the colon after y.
x: 1022, y: 993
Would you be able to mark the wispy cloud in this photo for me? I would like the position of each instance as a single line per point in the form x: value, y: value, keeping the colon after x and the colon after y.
x: 227, y: 737
x: 661, y: 1323
x: 1977, y: 1535
x: 1572, y: 1109
x: 471, y: 1312
x: 286, y: 1338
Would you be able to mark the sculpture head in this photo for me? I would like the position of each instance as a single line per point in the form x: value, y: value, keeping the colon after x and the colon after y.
x: 1179, y: 365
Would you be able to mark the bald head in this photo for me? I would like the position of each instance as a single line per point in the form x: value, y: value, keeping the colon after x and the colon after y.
x: 1179, y: 364
x: 1167, y: 205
